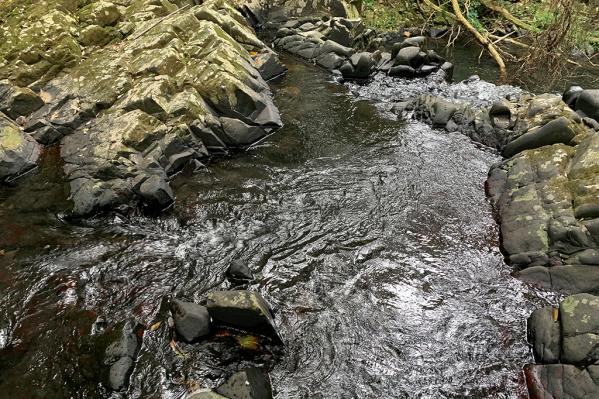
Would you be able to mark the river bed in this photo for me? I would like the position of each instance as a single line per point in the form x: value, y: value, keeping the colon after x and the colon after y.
x: 371, y: 237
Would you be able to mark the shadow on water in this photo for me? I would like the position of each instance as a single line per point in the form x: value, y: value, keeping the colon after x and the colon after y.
x: 372, y: 239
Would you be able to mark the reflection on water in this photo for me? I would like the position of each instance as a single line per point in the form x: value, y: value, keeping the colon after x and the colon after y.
x: 372, y: 239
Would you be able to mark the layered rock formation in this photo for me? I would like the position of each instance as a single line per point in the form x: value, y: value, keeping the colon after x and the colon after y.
x: 566, y: 345
x: 176, y: 83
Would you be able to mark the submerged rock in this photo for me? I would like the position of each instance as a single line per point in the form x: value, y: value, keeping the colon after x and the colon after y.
x: 192, y: 321
x: 250, y: 383
x: 120, y: 356
x: 242, y: 309
x: 238, y: 272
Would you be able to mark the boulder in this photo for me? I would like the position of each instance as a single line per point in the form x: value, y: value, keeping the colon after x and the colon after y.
x: 18, y: 101
x: 242, y: 309
x: 120, y: 356
x: 579, y: 317
x: 192, y: 321
x: 571, y: 95
x: 205, y: 394
x: 411, y: 56
x: 239, y: 272
x: 544, y: 333
x: 556, y: 131
x: 588, y: 103
x: 19, y: 153
x: 102, y: 13
x: 269, y: 65
x: 562, y: 381
x: 251, y: 383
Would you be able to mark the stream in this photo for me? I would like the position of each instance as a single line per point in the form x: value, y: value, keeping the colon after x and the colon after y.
x: 371, y: 238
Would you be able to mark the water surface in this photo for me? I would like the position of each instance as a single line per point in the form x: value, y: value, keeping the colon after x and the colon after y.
x: 372, y: 238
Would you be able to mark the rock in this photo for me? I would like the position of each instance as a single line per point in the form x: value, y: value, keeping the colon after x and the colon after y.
x: 240, y: 134
x: 192, y: 321
x: 362, y: 65
x: 560, y: 381
x: 94, y: 35
x: 403, y: 71
x: 120, y: 356
x: 19, y: 153
x: 102, y: 13
x: 330, y: 46
x: 340, y: 34
x: 120, y: 373
x: 544, y: 333
x: 18, y: 101
x: 330, y: 61
x: 251, y: 383
x: 579, y: 317
x: 242, y: 309
x: 204, y: 394
x: 411, y: 56
x: 239, y: 272
x: 269, y: 65
x: 588, y: 103
x: 556, y: 131
x: 156, y: 192
x: 447, y: 67
x: 571, y: 95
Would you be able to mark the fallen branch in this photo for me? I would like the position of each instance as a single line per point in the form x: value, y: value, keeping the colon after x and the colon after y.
x: 491, y: 5
x: 484, y: 41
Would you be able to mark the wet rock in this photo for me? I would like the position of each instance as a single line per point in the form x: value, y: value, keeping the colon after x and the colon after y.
x: 544, y: 333
x: 155, y: 191
x: 205, y: 394
x: 579, y: 316
x: 402, y: 71
x: 192, y: 321
x: 359, y: 66
x: 411, y: 56
x: 120, y: 372
x: 120, y: 356
x: 330, y: 61
x: 588, y: 103
x: 250, y: 383
x: 556, y: 131
x: 239, y: 272
x: 560, y: 381
x: 571, y: 95
x: 18, y: 101
x: 19, y: 153
x: 269, y: 65
x: 242, y: 309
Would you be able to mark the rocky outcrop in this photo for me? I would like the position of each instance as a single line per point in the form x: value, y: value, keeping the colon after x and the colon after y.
x: 178, y: 84
x: 344, y: 45
x: 565, y: 344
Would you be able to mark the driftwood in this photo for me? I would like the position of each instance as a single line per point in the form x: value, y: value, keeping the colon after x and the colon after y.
x: 482, y: 39
x: 491, y: 5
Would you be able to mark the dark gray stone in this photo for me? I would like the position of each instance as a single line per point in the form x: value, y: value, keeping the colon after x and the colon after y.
x: 242, y: 309
x: 156, y: 192
x: 571, y: 95
x: 120, y: 373
x: 18, y: 101
x: 250, y: 383
x: 556, y: 131
x: 402, y: 71
x: 192, y: 321
x: 239, y: 272
x: 411, y: 56
x: 544, y: 333
x: 588, y: 103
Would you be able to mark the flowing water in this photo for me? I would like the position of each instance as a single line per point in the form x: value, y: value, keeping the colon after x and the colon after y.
x: 372, y: 239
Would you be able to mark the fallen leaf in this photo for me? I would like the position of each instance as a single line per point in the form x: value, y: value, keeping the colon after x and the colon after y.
x: 253, y: 53
x: 155, y: 326
x: 177, y: 350
x: 248, y: 342
x: 555, y: 314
